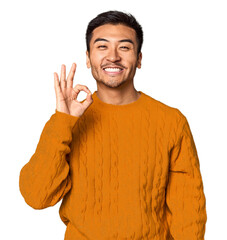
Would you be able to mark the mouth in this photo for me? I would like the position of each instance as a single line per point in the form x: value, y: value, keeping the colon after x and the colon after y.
x: 113, y: 70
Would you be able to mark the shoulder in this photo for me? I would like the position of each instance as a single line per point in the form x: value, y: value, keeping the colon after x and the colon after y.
x: 164, y: 110
x: 168, y: 117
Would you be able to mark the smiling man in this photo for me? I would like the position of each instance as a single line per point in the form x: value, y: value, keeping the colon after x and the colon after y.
x: 113, y: 57
x: 124, y: 163
x: 114, y: 53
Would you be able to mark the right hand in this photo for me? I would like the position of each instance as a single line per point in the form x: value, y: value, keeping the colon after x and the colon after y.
x: 66, y: 95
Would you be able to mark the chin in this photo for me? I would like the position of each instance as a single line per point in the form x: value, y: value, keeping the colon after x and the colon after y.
x: 112, y: 83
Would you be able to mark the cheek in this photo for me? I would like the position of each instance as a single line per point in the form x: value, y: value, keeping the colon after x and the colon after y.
x: 96, y: 57
x: 133, y: 63
x: 93, y: 62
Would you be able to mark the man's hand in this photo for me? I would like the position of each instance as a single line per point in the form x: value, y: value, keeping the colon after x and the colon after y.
x: 66, y: 95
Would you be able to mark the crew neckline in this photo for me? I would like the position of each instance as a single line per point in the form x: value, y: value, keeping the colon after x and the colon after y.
x: 102, y: 104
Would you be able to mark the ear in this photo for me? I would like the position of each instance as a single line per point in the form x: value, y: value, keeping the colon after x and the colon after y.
x: 88, y: 60
x: 139, y: 60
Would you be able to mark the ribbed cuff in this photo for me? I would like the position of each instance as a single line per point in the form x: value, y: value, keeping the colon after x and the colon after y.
x: 65, y: 118
x: 60, y: 126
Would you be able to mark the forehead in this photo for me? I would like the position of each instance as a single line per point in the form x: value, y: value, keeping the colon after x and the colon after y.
x: 114, y: 32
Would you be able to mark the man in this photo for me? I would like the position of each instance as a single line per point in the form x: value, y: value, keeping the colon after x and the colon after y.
x: 125, y: 164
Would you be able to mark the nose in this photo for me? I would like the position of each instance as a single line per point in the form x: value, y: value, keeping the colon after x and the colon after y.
x: 113, y: 55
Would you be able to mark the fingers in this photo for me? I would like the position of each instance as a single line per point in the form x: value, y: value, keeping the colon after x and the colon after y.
x: 79, y: 88
x: 57, y: 87
x: 62, y: 87
x: 63, y: 77
x: 88, y: 100
x: 71, y: 76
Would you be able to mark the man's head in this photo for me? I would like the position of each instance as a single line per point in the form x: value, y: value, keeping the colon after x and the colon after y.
x: 115, y: 18
x: 114, y: 40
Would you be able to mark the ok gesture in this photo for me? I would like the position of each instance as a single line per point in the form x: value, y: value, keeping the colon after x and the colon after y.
x: 66, y: 95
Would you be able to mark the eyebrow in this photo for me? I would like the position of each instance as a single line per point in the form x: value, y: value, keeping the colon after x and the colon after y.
x: 105, y: 40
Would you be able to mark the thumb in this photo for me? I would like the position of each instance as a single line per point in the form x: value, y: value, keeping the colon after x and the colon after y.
x: 87, y: 101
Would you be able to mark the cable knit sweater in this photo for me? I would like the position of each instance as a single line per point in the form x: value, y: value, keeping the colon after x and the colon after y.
x: 123, y: 171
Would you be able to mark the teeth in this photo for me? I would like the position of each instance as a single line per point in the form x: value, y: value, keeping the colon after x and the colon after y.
x: 112, y: 69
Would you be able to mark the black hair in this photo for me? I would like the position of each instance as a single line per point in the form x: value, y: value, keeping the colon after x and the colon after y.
x: 115, y: 17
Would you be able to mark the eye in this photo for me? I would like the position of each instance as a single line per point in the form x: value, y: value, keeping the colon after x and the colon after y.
x: 124, y: 47
x: 102, y: 47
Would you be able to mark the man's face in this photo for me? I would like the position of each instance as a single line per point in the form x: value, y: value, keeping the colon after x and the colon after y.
x: 113, y: 55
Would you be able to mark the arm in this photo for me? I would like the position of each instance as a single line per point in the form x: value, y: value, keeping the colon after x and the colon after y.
x: 185, y: 199
x: 45, y: 179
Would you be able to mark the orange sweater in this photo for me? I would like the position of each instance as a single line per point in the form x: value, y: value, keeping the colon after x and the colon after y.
x: 124, y: 172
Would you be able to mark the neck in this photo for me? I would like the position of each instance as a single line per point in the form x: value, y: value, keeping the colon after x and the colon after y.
x: 117, y: 96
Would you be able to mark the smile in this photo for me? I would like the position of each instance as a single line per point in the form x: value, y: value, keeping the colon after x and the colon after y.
x: 113, y: 70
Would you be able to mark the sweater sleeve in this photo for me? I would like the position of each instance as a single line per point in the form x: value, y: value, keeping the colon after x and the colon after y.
x: 185, y: 198
x: 45, y: 179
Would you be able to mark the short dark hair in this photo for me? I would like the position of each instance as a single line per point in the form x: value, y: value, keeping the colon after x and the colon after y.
x: 115, y: 17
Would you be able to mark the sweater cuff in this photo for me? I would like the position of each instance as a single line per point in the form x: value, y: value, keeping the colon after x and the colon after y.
x: 65, y: 118
x: 60, y: 126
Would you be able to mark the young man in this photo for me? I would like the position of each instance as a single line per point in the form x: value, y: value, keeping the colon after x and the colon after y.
x: 125, y: 164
